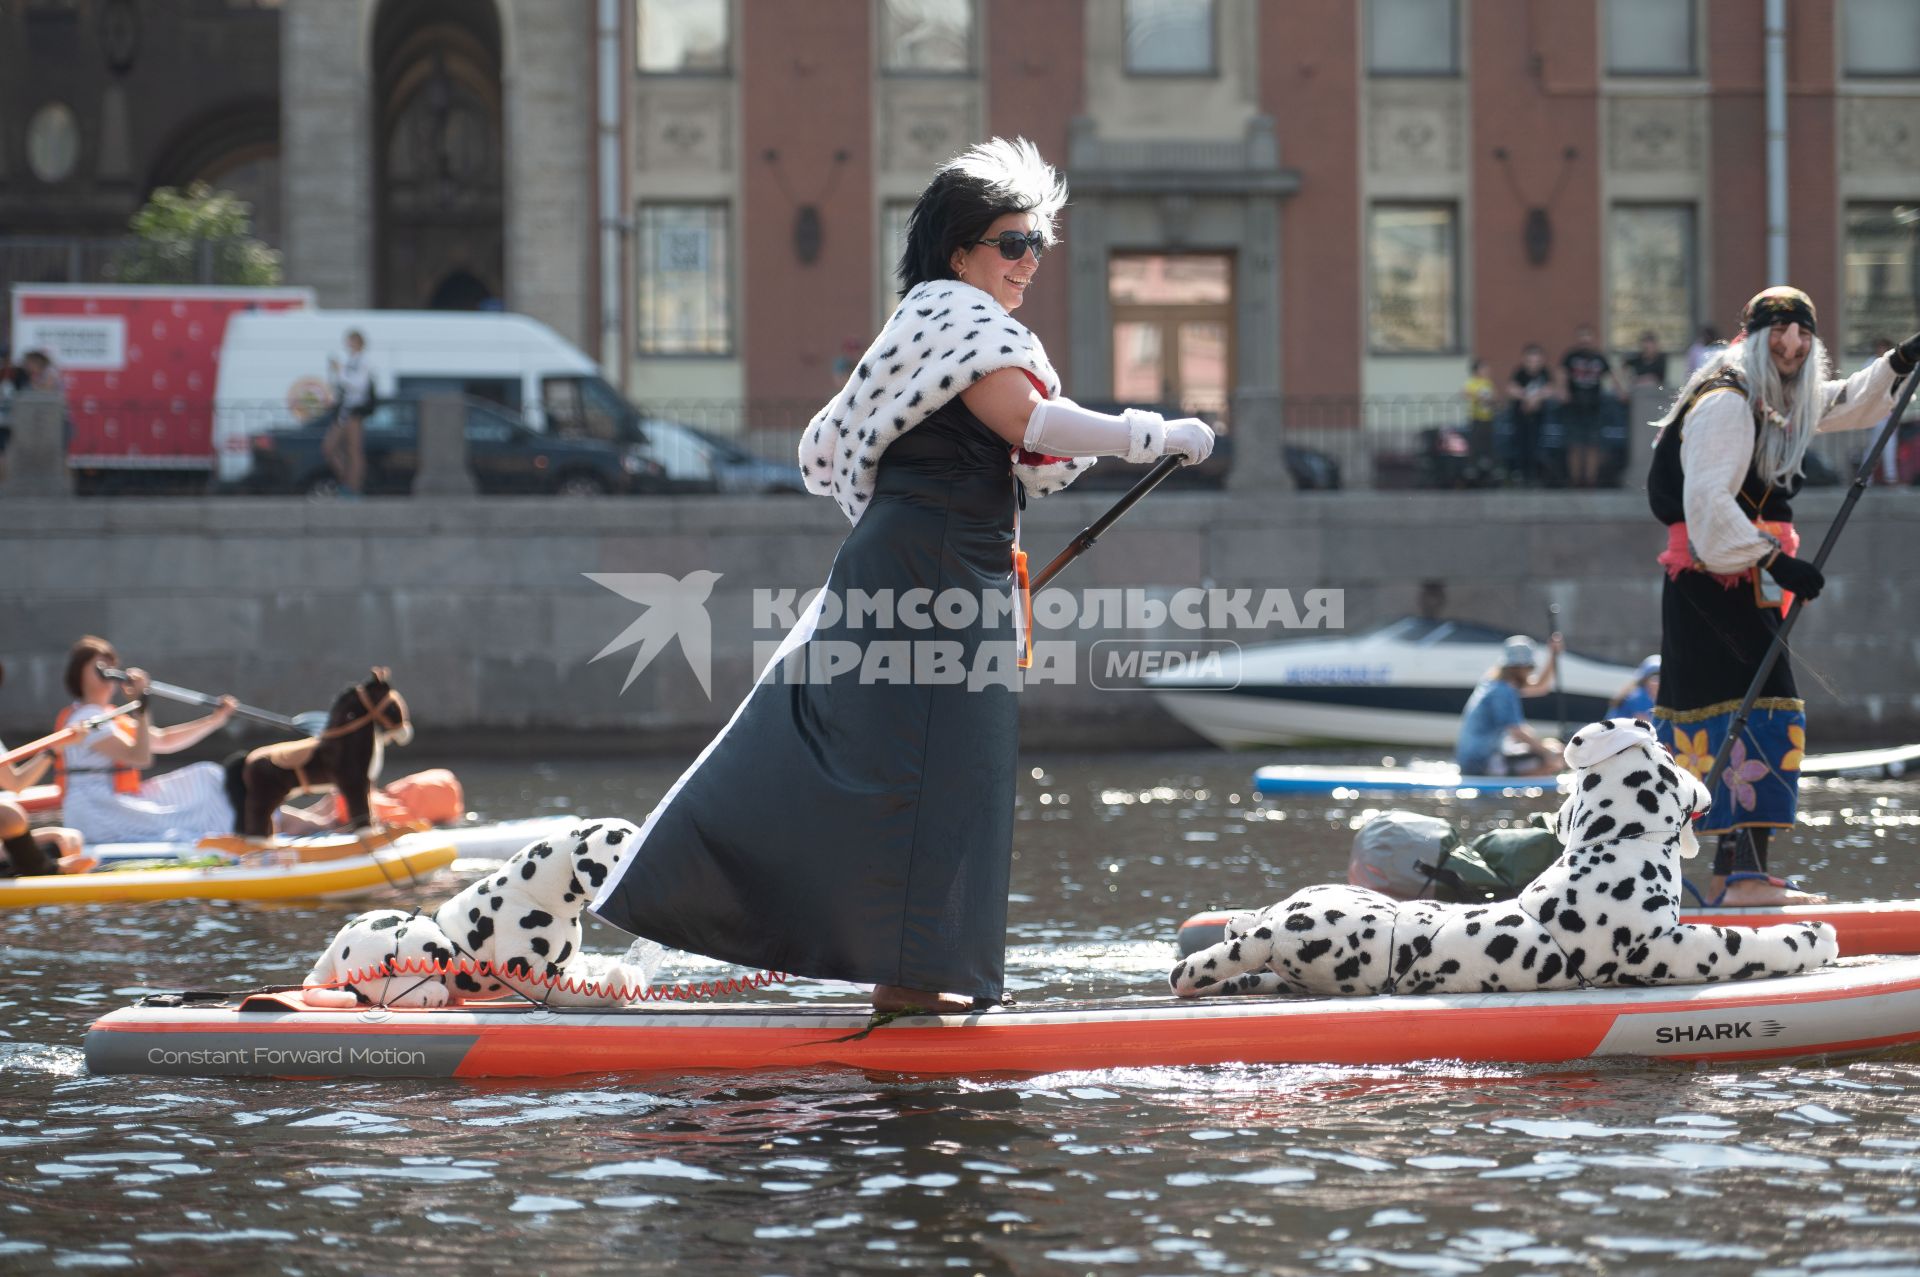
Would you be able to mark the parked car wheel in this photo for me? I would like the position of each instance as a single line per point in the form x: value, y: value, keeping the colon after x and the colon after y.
x: 323, y: 487
x: 581, y: 484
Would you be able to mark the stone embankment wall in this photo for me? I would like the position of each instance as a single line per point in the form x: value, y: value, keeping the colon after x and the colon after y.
x: 484, y: 609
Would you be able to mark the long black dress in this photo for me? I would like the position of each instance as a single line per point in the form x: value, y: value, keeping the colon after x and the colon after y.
x: 862, y: 831
x: 1713, y: 636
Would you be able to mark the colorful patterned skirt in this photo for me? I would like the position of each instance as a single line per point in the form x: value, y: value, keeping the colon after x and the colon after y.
x: 1713, y: 637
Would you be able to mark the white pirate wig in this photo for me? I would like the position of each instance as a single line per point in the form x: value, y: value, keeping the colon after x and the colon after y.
x: 967, y: 194
x: 1792, y: 407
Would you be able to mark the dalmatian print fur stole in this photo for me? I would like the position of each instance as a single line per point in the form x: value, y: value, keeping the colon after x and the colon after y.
x: 943, y: 337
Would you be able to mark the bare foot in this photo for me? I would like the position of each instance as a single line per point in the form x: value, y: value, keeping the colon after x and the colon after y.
x: 894, y: 997
x: 1759, y: 892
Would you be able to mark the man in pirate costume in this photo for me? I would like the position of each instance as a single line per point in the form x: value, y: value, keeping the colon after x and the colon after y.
x: 861, y: 829
x: 1725, y: 468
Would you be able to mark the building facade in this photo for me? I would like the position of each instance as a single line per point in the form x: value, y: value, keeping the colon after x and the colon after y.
x: 102, y: 101
x: 1323, y: 202
x: 1298, y: 208
x: 399, y: 153
x: 441, y: 154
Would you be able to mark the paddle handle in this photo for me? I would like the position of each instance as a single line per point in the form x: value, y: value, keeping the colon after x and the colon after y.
x: 72, y: 731
x: 1091, y: 533
x: 1559, y: 683
x: 187, y: 696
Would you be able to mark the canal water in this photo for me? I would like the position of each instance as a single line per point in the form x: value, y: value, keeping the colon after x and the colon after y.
x: 1441, y: 1169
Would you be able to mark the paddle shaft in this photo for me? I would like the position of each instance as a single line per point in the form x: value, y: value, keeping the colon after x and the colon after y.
x: 1091, y: 533
x: 1559, y: 683
x: 66, y: 733
x: 1779, y: 644
x: 187, y: 696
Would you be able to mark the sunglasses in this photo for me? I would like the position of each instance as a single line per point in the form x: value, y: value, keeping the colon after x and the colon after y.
x: 1013, y: 245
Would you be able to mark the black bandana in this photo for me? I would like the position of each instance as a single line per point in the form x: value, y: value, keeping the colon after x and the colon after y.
x: 1781, y: 304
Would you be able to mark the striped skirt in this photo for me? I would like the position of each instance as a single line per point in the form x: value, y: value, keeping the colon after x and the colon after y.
x: 177, y: 806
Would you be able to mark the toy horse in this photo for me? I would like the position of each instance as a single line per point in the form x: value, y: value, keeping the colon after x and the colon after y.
x: 344, y: 756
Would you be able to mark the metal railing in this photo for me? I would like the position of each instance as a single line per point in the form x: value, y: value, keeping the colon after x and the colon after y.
x: 1325, y: 442
x: 1431, y: 442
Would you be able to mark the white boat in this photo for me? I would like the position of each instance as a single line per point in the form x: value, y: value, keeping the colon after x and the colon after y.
x: 1401, y: 683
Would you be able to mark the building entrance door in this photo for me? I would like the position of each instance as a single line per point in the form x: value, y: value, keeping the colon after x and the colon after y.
x: 438, y: 177
x: 1173, y: 336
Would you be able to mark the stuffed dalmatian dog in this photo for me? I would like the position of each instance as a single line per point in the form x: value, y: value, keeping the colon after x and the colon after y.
x: 522, y: 921
x: 384, y: 949
x: 1606, y: 912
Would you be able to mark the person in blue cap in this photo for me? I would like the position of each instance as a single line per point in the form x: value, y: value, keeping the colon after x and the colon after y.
x: 1636, y: 699
x: 1495, y: 739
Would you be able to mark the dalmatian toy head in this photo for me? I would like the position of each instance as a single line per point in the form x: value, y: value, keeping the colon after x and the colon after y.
x: 562, y: 874
x: 525, y: 918
x: 517, y: 928
x: 1626, y: 785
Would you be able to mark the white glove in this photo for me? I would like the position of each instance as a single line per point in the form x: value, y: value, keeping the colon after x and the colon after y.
x: 1062, y: 428
x: 1191, y: 438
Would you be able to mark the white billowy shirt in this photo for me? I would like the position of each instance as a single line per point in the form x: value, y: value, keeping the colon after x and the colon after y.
x: 1716, y: 449
x: 355, y: 381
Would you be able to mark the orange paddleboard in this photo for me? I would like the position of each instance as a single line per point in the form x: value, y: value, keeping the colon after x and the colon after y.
x: 1859, y: 1006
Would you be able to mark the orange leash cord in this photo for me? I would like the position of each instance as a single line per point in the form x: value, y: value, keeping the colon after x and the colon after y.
x: 427, y: 968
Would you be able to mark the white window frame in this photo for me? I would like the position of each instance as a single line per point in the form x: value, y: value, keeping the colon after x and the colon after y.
x: 1850, y: 12
x: 1856, y: 337
x: 882, y: 8
x: 1374, y: 15
x: 1210, y: 72
x: 647, y: 341
x: 1689, y: 322
x: 729, y: 34
x: 1691, y: 71
x: 1453, y: 343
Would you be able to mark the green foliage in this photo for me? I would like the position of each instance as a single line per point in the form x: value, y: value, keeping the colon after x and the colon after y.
x: 197, y: 236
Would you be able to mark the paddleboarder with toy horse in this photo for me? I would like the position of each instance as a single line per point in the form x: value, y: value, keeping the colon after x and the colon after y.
x: 103, y: 794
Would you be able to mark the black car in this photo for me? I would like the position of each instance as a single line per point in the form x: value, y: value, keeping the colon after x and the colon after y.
x: 693, y: 460
x: 505, y: 455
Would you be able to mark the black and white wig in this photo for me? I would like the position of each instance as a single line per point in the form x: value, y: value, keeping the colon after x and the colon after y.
x: 967, y: 194
x: 1791, y: 406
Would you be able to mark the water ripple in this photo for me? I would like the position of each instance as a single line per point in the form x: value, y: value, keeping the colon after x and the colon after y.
x: 1434, y: 1169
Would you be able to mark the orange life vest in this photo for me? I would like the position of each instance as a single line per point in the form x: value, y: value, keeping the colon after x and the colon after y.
x: 126, y: 780
x: 434, y: 796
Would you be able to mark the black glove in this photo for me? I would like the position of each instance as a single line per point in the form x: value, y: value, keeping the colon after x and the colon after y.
x: 1904, y: 356
x: 1797, y: 575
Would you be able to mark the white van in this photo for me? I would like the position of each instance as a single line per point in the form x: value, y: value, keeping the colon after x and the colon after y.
x: 273, y: 372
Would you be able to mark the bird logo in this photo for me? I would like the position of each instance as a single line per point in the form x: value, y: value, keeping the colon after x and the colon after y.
x: 675, y: 607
